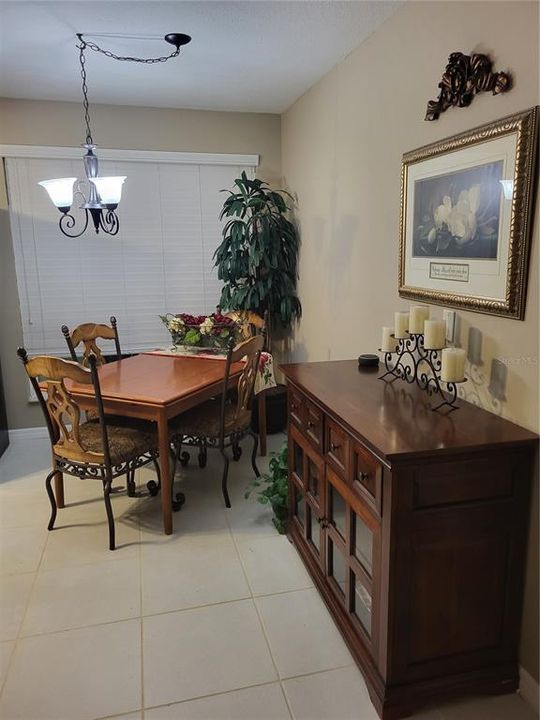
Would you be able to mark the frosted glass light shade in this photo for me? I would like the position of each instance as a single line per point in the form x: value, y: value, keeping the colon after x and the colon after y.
x: 60, y: 191
x: 109, y: 188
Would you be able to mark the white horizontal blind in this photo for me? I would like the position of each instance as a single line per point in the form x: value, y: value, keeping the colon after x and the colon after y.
x: 160, y: 261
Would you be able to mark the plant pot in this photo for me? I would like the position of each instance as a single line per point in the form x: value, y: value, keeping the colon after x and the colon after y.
x: 276, y: 410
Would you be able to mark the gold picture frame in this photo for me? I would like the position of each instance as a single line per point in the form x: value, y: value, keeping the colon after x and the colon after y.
x: 466, y: 217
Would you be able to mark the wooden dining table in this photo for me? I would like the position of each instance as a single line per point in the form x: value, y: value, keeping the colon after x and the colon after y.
x: 156, y: 388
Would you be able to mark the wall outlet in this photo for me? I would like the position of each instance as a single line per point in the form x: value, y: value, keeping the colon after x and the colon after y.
x: 449, y: 316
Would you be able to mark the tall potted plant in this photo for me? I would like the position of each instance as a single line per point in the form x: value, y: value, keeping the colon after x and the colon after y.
x: 257, y: 259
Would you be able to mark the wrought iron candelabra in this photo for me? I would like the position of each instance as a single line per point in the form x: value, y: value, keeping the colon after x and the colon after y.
x: 416, y: 364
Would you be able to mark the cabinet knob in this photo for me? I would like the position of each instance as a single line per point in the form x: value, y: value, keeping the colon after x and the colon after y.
x: 310, y: 424
x: 334, y: 446
x: 364, y: 476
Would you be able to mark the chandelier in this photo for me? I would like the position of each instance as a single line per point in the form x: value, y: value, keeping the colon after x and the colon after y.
x: 101, y: 196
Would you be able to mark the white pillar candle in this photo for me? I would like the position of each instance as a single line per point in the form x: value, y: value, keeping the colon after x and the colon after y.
x: 453, y: 365
x: 401, y: 324
x: 434, y: 334
x: 417, y: 316
x: 388, y: 341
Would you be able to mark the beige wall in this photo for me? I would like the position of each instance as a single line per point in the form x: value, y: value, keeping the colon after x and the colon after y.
x: 26, y: 122
x: 342, y: 144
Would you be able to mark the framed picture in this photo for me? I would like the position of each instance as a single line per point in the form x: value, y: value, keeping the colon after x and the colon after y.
x: 466, y: 217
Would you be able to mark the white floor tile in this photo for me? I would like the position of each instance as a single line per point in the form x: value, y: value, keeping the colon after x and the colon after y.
x: 264, y: 702
x: 302, y: 635
x: 30, y: 508
x: 84, y: 674
x: 201, y: 569
x: 83, y: 595
x: 333, y: 695
x: 202, y: 514
x: 198, y: 652
x: 21, y: 549
x: 248, y: 518
x: 6, y: 649
x: 24, y: 459
x: 272, y: 565
x: 87, y: 542
x: 14, y: 595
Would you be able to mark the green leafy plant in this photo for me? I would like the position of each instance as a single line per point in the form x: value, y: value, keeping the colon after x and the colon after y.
x: 258, y: 256
x: 274, y: 487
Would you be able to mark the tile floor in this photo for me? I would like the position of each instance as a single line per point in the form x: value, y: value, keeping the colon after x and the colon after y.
x: 219, y: 621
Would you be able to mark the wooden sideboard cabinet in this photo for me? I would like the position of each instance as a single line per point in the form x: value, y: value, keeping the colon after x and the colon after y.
x: 413, y: 526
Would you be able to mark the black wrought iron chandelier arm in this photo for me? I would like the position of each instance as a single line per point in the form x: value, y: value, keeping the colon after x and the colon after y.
x: 67, y: 223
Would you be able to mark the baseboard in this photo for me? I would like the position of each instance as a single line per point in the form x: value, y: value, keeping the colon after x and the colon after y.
x: 529, y: 689
x: 31, y: 433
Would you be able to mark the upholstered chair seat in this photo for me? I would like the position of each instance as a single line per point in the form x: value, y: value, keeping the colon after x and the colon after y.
x: 125, y: 443
x: 205, y: 420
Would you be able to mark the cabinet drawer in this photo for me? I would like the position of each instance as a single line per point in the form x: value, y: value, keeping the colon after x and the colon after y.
x: 307, y: 417
x: 367, y: 477
x: 313, y: 424
x: 462, y: 481
x: 296, y: 408
x: 337, y: 447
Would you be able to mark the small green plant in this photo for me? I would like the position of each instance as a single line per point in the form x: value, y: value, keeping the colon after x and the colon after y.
x: 274, y: 488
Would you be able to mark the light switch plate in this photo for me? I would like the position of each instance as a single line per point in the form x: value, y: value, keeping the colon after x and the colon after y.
x: 449, y: 316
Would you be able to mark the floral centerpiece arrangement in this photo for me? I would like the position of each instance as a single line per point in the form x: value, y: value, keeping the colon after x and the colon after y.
x: 211, y: 333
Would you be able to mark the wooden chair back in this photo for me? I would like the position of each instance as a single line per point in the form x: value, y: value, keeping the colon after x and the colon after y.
x: 62, y: 414
x: 248, y: 351
x: 88, y: 333
x: 250, y: 323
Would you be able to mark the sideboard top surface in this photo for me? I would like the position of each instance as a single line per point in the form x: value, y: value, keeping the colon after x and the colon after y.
x: 395, y: 419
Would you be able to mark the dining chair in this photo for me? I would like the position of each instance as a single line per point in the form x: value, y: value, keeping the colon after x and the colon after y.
x: 88, y: 333
x: 223, y: 422
x: 89, y: 449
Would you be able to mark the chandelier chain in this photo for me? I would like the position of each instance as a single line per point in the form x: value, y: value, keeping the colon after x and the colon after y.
x: 82, y: 60
x: 128, y: 58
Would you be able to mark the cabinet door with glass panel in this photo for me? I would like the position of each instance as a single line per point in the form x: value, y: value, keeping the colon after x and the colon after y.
x: 352, y: 556
x: 307, y: 491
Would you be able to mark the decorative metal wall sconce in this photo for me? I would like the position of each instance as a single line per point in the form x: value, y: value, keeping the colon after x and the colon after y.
x: 464, y: 77
x: 423, y: 366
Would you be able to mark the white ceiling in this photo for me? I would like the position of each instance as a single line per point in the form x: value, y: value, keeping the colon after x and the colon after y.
x: 255, y: 55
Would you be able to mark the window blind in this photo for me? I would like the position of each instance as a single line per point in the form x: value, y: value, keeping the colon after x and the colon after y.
x: 160, y: 261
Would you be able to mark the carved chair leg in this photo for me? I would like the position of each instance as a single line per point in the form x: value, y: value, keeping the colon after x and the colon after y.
x: 175, y: 454
x: 202, y: 453
x: 130, y: 484
x: 52, y: 499
x: 254, y: 453
x: 224, y: 478
x: 157, y: 469
x: 108, y: 508
x: 179, y: 499
x: 183, y: 457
